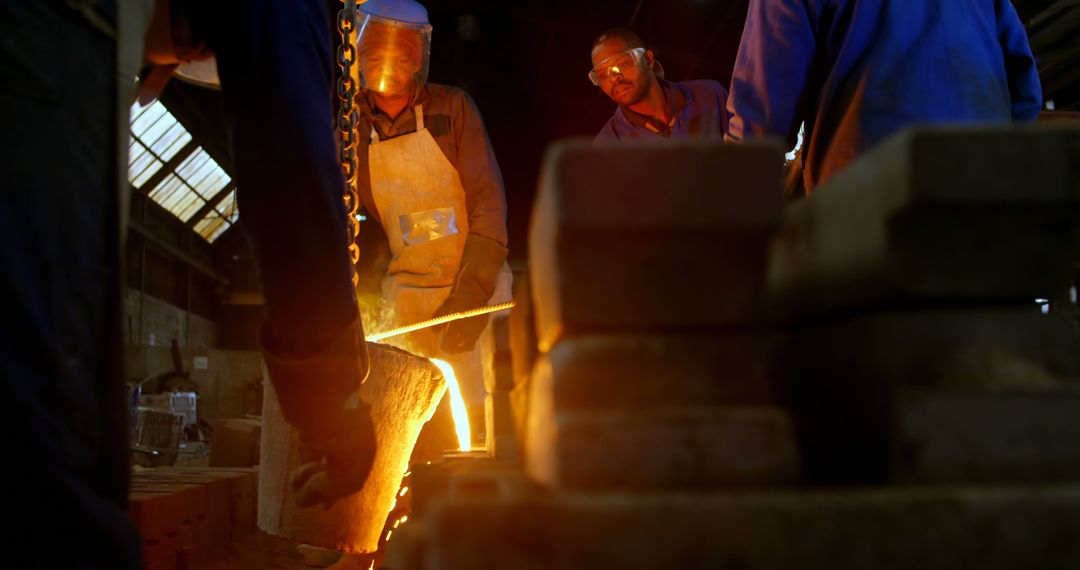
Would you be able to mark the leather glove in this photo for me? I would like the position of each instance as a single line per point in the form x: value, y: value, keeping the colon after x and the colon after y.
x: 335, y: 466
x: 481, y: 262
x: 319, y: 395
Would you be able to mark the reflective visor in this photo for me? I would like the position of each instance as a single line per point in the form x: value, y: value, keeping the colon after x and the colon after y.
x: 393, y: 56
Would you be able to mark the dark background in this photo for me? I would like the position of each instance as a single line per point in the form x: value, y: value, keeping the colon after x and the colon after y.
x: 525, y: 64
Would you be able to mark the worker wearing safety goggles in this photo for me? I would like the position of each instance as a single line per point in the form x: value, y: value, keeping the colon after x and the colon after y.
x: 428, y: 174
x: 651, y: 107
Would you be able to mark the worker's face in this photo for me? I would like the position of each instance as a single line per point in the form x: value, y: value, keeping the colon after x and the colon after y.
x: 622, y: 77
x: 390, y: 61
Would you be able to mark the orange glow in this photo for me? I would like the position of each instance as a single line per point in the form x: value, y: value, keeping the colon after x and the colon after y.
x: 457, y: 406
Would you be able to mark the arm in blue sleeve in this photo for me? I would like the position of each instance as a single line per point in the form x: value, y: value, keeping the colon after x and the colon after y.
x: 485, y: 197
x: 768, y: 83
x: 1023, y: 75
x: 721, y: 104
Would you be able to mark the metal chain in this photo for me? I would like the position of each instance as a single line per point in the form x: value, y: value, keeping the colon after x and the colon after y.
x: 346, y: 124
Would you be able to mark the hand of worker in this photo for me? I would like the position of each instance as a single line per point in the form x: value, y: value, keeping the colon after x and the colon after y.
x: 461, y: 335
x: 335, y: 466
x: 481, y: 262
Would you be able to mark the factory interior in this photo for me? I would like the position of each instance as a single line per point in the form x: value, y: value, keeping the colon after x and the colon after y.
x: 684, y: 349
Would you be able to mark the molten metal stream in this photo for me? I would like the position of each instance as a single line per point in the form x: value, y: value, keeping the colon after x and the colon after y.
x: 457, y: 406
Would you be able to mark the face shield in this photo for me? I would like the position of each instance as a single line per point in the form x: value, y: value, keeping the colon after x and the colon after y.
x: 392, y: 55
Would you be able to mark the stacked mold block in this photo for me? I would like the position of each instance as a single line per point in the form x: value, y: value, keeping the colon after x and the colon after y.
x: 647, y: 273
x: 185, y: 515
x: 917, y: 353
x: 639, y: 347
x: 933, y: 403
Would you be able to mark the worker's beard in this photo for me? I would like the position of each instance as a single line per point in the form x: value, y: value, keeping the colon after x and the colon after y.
x: 626, y: 93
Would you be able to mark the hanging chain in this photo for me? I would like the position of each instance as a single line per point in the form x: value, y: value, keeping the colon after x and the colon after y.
x: 346, y: 123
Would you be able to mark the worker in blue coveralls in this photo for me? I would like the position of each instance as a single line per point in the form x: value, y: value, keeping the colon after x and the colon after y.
x: 856, y: 71
x: 61, y: 208
x: 650, y: 107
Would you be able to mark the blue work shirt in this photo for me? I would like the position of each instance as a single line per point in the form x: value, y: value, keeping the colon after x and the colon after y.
x: 858, y: 70
x: 698, y: 110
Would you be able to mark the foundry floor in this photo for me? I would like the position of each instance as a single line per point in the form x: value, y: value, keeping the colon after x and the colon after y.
x: 259, y: 551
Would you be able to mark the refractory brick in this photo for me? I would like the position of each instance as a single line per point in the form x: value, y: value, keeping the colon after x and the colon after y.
x: 936, y: 216
x: 935, y: 396
x: 662, y: 449
x: 928, y: 527
x: 639, y: 371
x: 651, y: 236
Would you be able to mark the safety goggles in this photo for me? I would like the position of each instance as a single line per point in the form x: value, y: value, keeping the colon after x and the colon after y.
x: 616, y: 65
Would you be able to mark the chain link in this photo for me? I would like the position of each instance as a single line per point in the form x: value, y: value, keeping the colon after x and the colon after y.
x: 346, y: 124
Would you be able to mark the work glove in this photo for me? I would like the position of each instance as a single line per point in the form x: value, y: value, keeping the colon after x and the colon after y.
x: 335, y: 466
x: 319, y: 396
x: 481, y: 262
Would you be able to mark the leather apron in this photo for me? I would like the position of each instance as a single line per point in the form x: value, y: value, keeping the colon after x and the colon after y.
x: 421, y: 202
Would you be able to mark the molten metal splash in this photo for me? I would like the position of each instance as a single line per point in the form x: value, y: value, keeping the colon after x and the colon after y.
x: 457, y: 405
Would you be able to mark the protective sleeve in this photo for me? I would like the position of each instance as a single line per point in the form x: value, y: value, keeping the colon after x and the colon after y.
x: 1025, y: 89
x: 485, y: 196
x: 769, y: 80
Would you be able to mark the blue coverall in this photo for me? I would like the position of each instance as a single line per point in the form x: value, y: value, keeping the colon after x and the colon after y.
x: 856, y: 71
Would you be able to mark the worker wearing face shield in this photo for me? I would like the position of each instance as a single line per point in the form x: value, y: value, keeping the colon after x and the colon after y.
x: 650, y: 107
x: 428, y: 174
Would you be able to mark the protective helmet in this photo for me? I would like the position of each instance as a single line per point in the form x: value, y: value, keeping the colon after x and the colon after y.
x: 393, y: 45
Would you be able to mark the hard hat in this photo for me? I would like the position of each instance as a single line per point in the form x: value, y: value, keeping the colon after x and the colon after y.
x: 403, y: 11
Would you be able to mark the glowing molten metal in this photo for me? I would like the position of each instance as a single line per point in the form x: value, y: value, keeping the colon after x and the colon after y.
x: 457, y: 405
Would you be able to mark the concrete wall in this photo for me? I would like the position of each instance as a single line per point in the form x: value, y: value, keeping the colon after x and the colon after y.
x: 153, y: 322
x: 229, y: 382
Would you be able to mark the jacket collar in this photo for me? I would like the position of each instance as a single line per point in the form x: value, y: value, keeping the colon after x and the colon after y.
x: 386, y: 127
x: 675, y: 100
